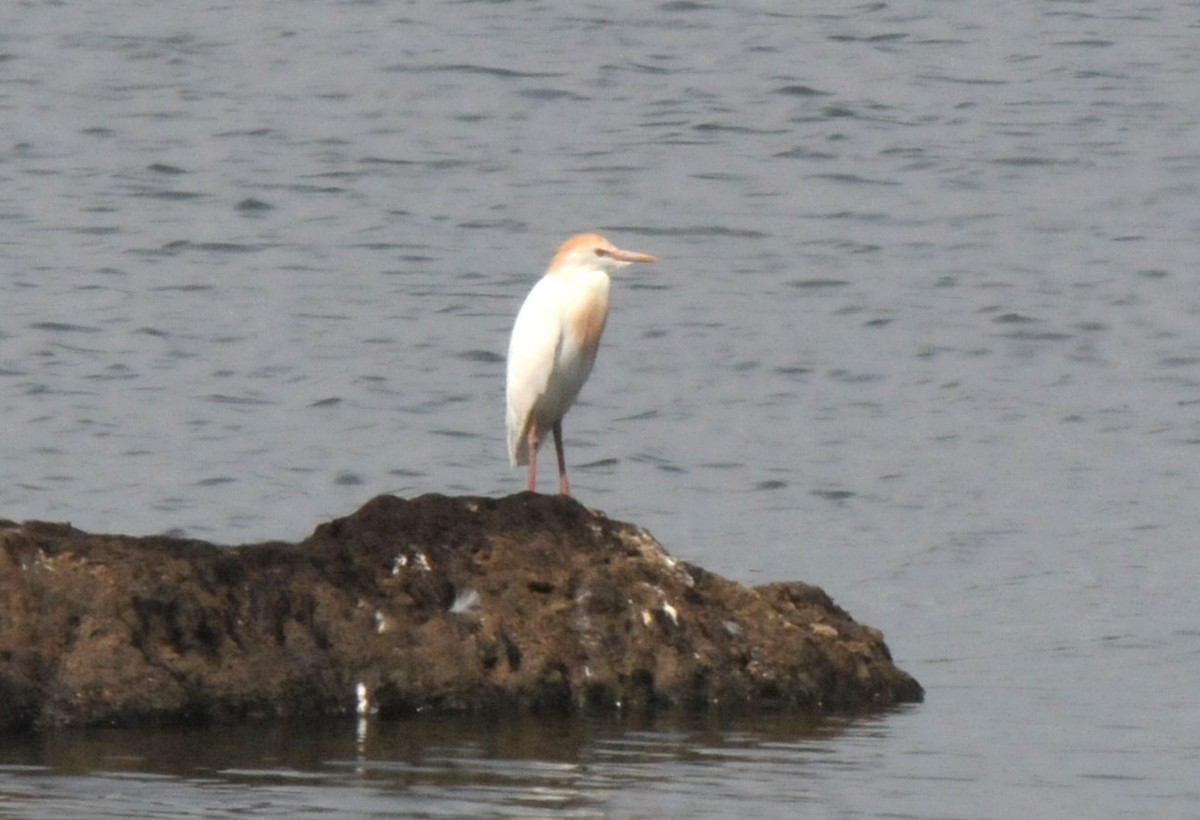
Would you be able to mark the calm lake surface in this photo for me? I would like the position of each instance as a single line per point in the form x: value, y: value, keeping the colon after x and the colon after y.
x: 925, y: 332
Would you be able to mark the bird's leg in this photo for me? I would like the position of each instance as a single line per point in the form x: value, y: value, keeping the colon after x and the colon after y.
x: 564, y: 486
x: 533, y: 448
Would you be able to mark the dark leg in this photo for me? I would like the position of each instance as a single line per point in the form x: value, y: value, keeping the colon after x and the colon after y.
x: 533, y: 450
x: 564, y: 486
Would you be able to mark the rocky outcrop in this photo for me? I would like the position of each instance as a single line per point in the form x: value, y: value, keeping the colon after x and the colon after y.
x: 526, y: 603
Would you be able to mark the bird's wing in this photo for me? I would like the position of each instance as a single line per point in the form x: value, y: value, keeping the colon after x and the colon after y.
x: 536, y: 336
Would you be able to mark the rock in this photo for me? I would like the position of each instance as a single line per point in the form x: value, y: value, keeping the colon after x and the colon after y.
x: 526, y: 603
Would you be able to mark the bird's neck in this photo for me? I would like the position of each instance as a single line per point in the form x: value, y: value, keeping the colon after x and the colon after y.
x: 579, y: 276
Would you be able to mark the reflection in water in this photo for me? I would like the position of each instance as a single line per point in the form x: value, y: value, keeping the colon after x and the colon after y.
x: 436, y: 766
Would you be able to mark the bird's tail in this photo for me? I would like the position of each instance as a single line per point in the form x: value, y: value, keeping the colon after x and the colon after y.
x: 518, y: 441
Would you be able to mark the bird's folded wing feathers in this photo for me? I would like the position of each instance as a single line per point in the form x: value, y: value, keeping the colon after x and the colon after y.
x: 536, y: 336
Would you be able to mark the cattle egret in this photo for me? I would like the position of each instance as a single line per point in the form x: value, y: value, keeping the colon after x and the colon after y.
x: 554, y: 342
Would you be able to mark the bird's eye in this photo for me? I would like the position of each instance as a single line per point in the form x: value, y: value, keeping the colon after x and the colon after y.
x: 601, y: 252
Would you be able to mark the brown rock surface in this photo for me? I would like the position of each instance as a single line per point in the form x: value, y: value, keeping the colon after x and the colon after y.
x: 523, y: 603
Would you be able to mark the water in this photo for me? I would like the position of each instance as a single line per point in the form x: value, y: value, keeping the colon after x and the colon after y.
x: 924, y: 333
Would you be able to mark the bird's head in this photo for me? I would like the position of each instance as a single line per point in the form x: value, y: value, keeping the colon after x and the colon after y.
x: 591, y: 251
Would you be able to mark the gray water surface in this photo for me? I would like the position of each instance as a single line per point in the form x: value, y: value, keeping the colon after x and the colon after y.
x: 923, y: 332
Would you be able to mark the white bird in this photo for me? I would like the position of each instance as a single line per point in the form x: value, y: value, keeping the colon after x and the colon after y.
x: 554, y: 342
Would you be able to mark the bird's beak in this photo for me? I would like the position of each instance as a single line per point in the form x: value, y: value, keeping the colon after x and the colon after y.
x: 631, y: 256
